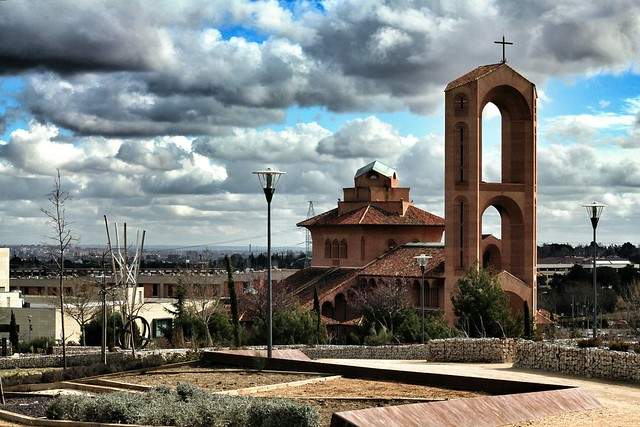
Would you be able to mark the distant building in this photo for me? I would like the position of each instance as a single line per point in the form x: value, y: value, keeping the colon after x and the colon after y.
x: 37, y: 290
x: 562, y: 265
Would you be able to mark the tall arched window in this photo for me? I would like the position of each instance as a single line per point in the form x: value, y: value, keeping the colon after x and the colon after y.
x: 461, y: 138
x: 461, y: 231
x: 335, y: 249
x: 327, y: 248
x: 343, y: 248
x: 362, y: 246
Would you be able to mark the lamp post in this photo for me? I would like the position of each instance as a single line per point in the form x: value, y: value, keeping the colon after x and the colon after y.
x: 422, y: 261
x: 268, y: 181
x: 594, y: 210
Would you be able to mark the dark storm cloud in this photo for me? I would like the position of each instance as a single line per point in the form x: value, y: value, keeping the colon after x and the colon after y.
x: 177, y: 74
x: 72, y: 36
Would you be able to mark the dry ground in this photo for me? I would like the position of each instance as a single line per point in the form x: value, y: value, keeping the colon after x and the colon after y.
x: 211, y: 379
x: 343, y: 394
x: 620, y: 401
x: 352, y: 388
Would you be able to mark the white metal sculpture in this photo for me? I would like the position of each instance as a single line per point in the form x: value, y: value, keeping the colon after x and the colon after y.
x: 125, y: 276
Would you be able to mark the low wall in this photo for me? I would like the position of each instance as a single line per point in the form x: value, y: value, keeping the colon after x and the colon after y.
x: 55, y: 361
x: 584, y: 362
x: 488, y: 350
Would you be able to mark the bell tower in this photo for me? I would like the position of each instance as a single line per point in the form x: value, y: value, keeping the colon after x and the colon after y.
x: 467, y: 196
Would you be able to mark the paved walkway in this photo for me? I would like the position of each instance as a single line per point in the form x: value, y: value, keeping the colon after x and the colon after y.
x: 621, y: 401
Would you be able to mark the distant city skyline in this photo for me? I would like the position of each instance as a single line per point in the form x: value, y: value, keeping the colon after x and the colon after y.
x: 156, y: 114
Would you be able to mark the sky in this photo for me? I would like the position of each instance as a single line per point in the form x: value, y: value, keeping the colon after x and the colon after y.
x: 157, y: 112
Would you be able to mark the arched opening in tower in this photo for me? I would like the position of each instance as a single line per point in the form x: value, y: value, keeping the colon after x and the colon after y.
x: 491, y: 143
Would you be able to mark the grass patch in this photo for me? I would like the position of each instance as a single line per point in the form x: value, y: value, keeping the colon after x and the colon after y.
x: 184, y: 406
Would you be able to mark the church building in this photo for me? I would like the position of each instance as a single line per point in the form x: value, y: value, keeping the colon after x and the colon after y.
x: 376, y: 231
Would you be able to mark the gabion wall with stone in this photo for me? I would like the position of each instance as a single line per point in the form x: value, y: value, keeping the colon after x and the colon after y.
x: 488, y: 350
x: 54, y: 360
x: 585, y: 362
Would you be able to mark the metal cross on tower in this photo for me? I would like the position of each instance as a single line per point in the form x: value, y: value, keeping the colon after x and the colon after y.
x: 503, y: 43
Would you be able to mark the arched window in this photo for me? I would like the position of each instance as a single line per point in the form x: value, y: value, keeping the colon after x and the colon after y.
x: 461, y: 138
x: 461, y: 217
x: 362, y: 245
x: 340, y: 307
x: 327, y: 309
x: 335, y: 249
x: 343, y: 248
x: 327, y: 248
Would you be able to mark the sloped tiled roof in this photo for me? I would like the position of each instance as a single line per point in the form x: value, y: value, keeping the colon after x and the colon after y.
x: 373, y: 215
x: 376, y: 166
x: 323, y: 279
x: 401, y: 262
x: 474, y: 74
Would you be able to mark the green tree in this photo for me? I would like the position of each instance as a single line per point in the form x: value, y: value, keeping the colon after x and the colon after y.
x: 291, y: 325
x: 316, y: 311
x: 182, y: 321
x: 233, y: 299
x: 13, y: 332
x: 482, y: 307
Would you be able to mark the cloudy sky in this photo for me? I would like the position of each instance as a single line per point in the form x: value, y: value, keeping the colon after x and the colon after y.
x: 156, y: 112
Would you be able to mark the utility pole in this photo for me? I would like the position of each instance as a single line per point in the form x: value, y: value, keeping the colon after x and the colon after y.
x: 308, y: 244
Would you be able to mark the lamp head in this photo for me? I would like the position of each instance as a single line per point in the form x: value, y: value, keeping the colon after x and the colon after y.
x: 268, y: 179
x: 594, y: 210
x: 422, y: 260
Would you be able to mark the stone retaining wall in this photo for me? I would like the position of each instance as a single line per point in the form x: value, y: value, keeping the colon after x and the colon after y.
x: 54, y: 360
x: 584, y: 362
x: 488, y: 350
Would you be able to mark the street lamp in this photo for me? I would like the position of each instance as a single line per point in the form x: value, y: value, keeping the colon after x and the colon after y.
x: 594, y: 210
x: 422, y: 261
x: 268, y: 181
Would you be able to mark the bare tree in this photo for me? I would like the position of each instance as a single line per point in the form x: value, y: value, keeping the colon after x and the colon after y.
x: 383, y: 302
x: 62, y: 236
x: 83, y: 303
x: 202, y: 303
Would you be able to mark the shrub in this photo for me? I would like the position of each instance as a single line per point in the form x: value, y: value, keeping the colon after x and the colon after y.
x: 185, y: 406
x: 619, y: 345
x: 38, y: 345
x: 82, y: 371
x: 590, y: 342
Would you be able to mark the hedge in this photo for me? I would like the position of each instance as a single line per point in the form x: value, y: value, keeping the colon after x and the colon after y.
x: 186, y: 406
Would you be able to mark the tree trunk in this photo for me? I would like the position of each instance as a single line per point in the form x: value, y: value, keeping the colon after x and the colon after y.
x: 61, y: 286
x: 208, y: 334
x: 84, y: 335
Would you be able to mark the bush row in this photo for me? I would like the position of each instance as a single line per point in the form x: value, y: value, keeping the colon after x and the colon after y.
x: 185, y: 406
x: 114, y: 365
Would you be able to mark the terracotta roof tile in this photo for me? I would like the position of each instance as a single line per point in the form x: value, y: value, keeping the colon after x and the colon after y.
x: 472, y: 75
x: 324, y: 279
x: 373, y: 215
x: 400, y: 261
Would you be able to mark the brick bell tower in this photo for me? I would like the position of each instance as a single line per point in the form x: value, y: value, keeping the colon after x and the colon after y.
x: 467, y: 196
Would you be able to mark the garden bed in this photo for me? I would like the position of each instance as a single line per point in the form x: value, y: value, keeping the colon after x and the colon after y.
x: 33, y: 406
x: 212, y: 379
x: 364, y: 389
